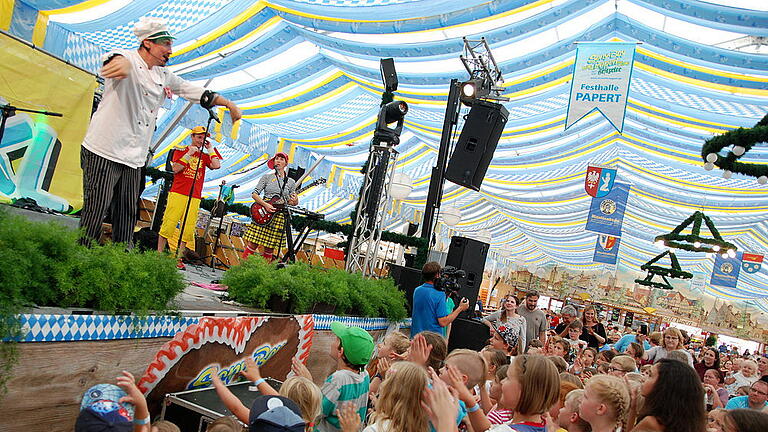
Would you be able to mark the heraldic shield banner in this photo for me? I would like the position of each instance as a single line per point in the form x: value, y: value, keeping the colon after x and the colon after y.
x: 599, y: 181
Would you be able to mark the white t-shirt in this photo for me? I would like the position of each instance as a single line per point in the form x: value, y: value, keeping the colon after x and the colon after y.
x: 121, y: 128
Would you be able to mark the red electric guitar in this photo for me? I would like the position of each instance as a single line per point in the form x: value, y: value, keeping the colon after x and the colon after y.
x: 261, y: 216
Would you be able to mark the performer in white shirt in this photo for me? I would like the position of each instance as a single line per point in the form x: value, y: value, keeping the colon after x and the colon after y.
x: 117, y: 142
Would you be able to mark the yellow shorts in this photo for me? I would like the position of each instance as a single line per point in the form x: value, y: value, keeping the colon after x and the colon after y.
x: 174, y: 215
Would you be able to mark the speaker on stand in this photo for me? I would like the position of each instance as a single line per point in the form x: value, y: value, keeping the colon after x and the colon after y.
x: 476, y: 144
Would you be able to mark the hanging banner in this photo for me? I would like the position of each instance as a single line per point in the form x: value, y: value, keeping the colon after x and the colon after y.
x: 606, y: 249
x: 698, y: 282
x: 39, y: 154
x: 751, y: 263
x: 601, y: 77
x: 606, y: 214
x: 726, y: 271
x: 599, y: 181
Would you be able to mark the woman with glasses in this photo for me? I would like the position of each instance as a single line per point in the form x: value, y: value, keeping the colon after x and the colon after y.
x: 672, y: 341
x: 507, y: 321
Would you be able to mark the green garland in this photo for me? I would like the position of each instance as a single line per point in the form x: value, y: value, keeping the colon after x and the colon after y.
x: 686, y: 242
x: 674, y: 271
x: 299, y: 222
x: 746, y: 138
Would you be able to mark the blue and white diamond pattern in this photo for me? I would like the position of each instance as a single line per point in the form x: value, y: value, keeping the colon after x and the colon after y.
x: 72, y: 328
x: 323, y: 322
x: 178, y: 14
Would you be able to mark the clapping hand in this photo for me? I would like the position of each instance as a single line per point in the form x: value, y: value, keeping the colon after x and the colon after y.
x: 440, y: 404
x: 251, y: 372
x: 419, y: 351
x: 349, y: 419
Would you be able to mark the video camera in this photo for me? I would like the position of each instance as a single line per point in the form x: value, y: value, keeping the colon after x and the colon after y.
x: 449, y: 279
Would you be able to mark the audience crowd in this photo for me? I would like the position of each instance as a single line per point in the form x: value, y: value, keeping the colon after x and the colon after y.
x: 575, y: 373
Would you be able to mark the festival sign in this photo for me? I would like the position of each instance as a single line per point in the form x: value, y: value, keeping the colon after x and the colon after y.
x: 606, y: 249
x: 726, y: 271
x: 751, y: 263
x: 601, y: 77
x: 606, y: 214
x: 220, y: 345
x: 39, y: 154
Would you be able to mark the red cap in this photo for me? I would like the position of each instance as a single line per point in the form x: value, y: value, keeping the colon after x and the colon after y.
x: 271, y: 162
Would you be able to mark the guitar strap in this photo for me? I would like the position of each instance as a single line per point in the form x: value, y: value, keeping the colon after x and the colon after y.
x: 282, y: 188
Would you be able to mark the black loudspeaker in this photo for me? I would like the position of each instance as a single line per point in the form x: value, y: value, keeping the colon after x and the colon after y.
x: 476, y: 145
x: 469, y: 255
x: 410, y: 259
x: 468, y: 333
x: 406, y: 279
x: 388, y: 74
x: 412, y: 228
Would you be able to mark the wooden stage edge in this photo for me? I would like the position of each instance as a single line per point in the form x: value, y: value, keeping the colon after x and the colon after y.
x: 48, y: 381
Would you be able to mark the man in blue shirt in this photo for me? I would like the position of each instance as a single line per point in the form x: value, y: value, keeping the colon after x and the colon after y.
x: 756, y: 400
x: 641, y: 337
x: 429, y: 307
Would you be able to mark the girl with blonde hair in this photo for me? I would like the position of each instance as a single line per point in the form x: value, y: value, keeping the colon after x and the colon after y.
x: 399, y: 406
x: 605, y: 405
x: 672, y: 341
x: 531, y: 387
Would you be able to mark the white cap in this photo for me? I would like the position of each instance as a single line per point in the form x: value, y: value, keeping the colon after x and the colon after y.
x: 151, y: 28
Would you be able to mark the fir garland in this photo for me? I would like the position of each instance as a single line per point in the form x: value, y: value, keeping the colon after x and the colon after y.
x: 674, y: 271
x: 686, y: 242
x: 299, y: 222
x: 745, y: 138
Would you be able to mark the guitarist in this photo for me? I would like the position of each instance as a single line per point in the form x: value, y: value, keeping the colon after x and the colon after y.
x: 185, y: 163
x: 272, y: 235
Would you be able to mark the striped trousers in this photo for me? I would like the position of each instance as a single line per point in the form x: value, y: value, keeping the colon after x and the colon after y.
x: 108, y: 184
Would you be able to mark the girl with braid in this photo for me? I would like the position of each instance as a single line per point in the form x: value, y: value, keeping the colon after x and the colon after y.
x: 605, y: 405
x: 674, y: 399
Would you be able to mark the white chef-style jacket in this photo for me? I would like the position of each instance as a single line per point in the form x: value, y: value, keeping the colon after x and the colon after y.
x: 121, y: 128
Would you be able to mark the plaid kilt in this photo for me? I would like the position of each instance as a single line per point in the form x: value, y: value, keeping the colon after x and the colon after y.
x: 271, y: 235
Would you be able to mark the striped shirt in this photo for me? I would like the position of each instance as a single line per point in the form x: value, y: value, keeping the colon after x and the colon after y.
x: 500, y: 416
x: 343, y: 386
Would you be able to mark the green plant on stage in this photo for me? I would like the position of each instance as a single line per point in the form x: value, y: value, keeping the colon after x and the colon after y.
x: 256, y: 282
x: 45, y: 266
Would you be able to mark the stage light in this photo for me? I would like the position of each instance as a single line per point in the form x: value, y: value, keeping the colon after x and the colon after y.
x: 395, y: 111
x: 731, y: 253
x: 476, y: 88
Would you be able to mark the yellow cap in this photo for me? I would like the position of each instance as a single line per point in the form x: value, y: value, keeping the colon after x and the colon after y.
x: 199, y: 130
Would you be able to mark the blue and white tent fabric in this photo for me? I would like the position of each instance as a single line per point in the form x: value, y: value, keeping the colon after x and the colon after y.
x: 306, y: 73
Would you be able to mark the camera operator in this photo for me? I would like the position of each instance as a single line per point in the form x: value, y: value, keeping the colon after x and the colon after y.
x: 429, y: 303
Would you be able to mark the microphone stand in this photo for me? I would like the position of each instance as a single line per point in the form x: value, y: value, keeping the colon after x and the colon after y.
x: 211, y: 117
x: 10, y: 111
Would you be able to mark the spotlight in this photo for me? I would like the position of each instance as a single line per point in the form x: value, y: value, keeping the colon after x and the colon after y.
x: 715, y: 248
x: 731, y: 253
x: 395, y: 111
x: 476, y: 88
x: 696, y: 244
x: 660, y: 244
x: 390, y: 113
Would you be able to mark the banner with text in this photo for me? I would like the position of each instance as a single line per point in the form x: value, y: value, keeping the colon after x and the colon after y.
x: 606, y: 249
x: 726, y: 271
x: 39, y: 154
x: 601, y: 77
x: 606, y: 214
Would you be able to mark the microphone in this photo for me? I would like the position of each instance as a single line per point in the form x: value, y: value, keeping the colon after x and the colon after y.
x: 213, y: 115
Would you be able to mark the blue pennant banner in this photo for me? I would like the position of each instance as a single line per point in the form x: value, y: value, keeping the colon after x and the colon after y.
x: 726, y: 271
x: 601, y: 77
x: 606, y: 214
x: 606, y: 249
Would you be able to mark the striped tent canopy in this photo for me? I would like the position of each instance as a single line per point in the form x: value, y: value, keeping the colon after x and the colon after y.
x: 306, y: 73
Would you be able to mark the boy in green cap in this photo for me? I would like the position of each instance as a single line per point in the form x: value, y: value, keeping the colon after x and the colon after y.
x: 349, y: 384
